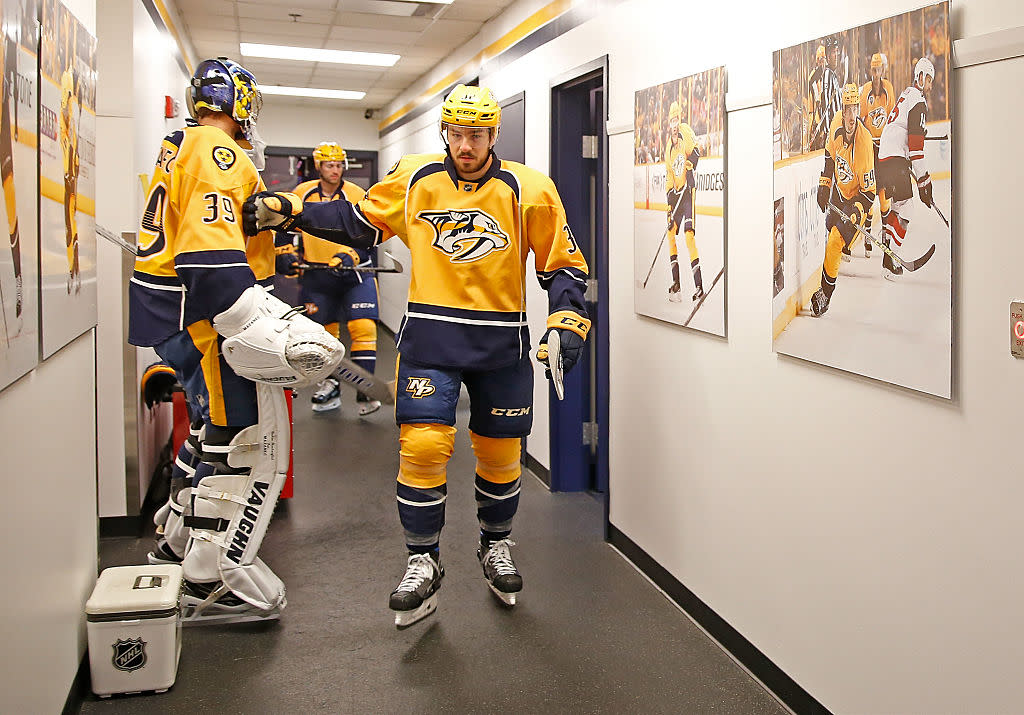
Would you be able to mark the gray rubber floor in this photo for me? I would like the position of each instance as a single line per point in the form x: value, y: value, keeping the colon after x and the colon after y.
x: 589, y: 634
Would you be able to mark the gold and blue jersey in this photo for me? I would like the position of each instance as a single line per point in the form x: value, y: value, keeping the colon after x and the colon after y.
x: 681, y: 159
x: 851, y: 162
x: 318, y: 250
x: 193, y: 259
x: 469, y: 242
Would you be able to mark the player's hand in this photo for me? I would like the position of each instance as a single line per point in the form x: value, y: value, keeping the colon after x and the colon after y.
x: 857, y: 213
x: 346, y: 258
x: 924, y: 190
x: 824, y: 189
x: 270, y: 209
x: 572, y: 348
x: 287, y: 264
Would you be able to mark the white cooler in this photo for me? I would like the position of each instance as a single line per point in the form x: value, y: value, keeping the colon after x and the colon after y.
x: 134, y: 626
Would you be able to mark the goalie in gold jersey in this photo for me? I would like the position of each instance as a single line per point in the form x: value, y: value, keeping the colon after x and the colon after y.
x: 846, y: 189
x: 681, y: 185
x: 197, y: 297
x: 469, y: 220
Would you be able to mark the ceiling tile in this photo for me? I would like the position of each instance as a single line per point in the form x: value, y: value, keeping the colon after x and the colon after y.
x: 340, y: 36
x: 283, y: 13
x: 383, y: 22
x: 297, y: 5
x: 305, y: 34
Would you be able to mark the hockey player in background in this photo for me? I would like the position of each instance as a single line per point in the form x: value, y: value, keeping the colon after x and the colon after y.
x: 813, y: 101
x: 901, y: 161
x: 846, y: 189
x: 197, y: 296
x: 877, y: 98
x: 469, y: 220
x: 681, y: 158
x: 8, y: 137
x: 341, y: 294
x: 69, y: 148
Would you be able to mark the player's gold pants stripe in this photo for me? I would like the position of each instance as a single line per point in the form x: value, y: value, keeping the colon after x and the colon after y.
x: 424, y: 451
x: 204, y: 337
x: 333, y: 328
x: 364, y: 334
x: 691, y: 246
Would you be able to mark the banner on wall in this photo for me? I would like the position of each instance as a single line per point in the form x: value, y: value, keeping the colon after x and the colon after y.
x: 67, y: 177
x: 19, y: 295
x: 863, y: 201
x: 679, y: 200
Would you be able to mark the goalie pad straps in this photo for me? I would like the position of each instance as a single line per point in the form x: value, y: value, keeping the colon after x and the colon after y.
x: 231, y: 511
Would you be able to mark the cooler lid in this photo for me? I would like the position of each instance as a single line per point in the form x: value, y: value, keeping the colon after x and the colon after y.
x: 130, y: 589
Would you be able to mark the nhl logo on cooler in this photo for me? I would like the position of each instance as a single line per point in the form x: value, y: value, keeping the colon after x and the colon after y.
x: 129, y: 655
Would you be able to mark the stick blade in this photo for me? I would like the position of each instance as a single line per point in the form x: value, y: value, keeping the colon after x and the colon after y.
x: 915, y: 264
x: 555, y: 363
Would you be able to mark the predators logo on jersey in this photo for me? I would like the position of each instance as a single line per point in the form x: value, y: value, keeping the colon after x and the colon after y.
x: 844, y: 173
x: 875, y: 119
x: 465, y: 235
x: 223, y: 157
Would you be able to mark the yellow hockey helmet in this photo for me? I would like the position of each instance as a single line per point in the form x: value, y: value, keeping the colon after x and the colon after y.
x: 851, y: 95
x: 329, y: 151
x: 675, y: 112
x: 877, y: 60
x: 471, y: 107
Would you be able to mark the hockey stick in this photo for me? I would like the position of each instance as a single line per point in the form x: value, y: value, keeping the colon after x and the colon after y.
x: 396, y: 268
x: 934, y: 205
x: 364, y: 381
x: 941, y: 138
x: 706, y: 294
x: 119, y: 242
x: 555, y: 363
x: 662, y: 241
x: 911, y: 266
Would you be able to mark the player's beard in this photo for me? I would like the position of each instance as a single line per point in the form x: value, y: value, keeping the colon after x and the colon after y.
x: 474, y: 164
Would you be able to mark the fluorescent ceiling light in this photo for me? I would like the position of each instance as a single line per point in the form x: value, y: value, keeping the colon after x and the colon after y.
x: 310, y: 54
x: 311, y: 92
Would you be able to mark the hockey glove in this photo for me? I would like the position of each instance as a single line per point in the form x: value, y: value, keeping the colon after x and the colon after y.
x: 824, y: 189
x: 287, y: 264
x: 572, y: 330
x: 924, y: 190
x: 270, y: 209
x: 346, y: 258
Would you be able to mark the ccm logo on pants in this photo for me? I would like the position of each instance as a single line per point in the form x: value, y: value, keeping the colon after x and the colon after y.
x: 510, y: 412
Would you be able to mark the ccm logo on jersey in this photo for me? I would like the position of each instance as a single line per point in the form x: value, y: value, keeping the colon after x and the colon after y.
x: 465, y: 236
x: 420, y: 387
x: 510, y: 411
x: 223, y: 157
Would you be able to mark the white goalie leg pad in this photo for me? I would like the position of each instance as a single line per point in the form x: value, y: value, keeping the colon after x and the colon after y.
x: 235, y: 509
x: 267, y: 341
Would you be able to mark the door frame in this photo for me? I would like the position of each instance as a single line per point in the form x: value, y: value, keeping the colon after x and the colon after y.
x: 600, y: 333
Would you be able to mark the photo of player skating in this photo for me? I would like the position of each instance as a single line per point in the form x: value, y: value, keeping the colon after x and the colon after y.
x: 67, y: 181
x: 864, y: 216
x: 19, y: 300
x: 679, y: 185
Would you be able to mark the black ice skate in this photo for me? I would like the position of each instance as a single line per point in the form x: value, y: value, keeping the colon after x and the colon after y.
x: 213, y: 603
x: 500, y: 571
x: 698, y: 294
x: 327, y: 396
x: 366, y: 405
x: 846, y: 256
x: 416, y: 596
x: 162, y: 553
x: 819, y: 303
x: 675, y: 293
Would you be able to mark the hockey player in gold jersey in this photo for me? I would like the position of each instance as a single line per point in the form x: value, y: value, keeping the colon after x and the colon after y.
x: 846, y: 186
x: 197, y: 296
x: 877, y: 98
x: 680, y: 188
x: 8, y: 139
x: 69, y: 149
x: 342, y: 294
x: 469, y: 220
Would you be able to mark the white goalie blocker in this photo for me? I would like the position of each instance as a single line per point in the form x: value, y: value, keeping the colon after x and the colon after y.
x: 268, y: 342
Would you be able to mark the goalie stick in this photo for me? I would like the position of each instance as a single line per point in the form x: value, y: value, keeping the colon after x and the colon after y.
x: 662, y: 241
x: 364, y: 381
x: 911, y: 266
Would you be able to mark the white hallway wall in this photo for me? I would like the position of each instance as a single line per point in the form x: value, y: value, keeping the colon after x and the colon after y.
x: 48, y: 542
x: 862, y: 536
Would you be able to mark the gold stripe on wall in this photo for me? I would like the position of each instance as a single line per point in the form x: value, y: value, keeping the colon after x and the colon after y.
x: 55, y: 191
x: 171, y: 28
x: 543, y: 16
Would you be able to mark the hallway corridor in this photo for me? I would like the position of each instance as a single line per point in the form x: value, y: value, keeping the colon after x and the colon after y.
x: 589, y: 635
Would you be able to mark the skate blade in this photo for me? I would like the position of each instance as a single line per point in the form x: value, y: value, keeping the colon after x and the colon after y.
x: 208, y: 618
x: 404, y: 619
x: 509, y: 599
x: 368, y: 408
x: 327, y: 406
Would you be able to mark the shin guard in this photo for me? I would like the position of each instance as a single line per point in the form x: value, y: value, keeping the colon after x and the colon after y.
x: 232, y: 507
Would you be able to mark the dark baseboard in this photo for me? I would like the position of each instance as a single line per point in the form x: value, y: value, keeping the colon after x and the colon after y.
x: 784, y: 687
x: 120, y: 526
x: 79, y: 688
x: 542, y: 472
